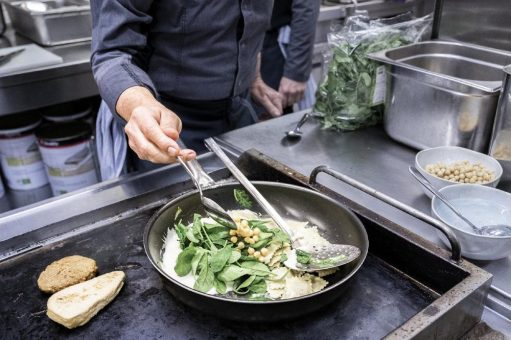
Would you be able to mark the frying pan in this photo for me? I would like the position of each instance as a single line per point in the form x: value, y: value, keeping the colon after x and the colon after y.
x: 335, y: 222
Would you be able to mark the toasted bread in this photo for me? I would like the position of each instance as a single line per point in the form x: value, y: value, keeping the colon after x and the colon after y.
x: 74, y: 306
x: 66, y: 272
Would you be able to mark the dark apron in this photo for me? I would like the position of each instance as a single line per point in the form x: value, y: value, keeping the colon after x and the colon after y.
x: 204, y: 119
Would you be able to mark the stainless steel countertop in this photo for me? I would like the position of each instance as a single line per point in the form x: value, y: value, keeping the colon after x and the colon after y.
x: 370, y: 157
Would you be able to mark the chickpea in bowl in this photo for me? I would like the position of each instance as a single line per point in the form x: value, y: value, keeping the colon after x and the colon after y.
x: 462, y: 172
x: 449, y: 165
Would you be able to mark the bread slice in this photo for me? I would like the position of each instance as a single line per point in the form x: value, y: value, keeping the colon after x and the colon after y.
x: 66, y: 272
x: 74, y: 306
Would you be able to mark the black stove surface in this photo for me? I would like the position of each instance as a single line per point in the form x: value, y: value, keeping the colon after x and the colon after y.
x: 378, y: 300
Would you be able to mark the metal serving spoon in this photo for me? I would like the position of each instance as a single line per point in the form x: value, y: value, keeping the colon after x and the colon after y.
x: 487, y: 230
x: 202, y: 179
x: 321, y: 257
x: 297, y: 133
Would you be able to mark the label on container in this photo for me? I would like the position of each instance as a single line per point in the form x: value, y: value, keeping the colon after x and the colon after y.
x: 21, y: 162
x: 380, y: 86
x: 69, y: 167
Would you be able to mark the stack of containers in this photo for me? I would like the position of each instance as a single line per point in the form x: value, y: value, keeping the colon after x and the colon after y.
x: 67, y: 153
x: 20, y: 158
x: 69, y: 112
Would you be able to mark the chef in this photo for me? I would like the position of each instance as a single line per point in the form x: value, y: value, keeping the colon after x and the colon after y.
x: 180, y: 69
x: 286, y: 58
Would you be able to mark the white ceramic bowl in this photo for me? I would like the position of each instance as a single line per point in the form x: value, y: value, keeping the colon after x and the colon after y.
x: 483, y: 206
x: 453, y: 154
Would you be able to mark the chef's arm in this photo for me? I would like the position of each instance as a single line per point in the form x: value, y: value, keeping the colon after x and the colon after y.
x: 270, y: 99
x: 119, y: 44
x: 301, y: 43
x: 298, y: 64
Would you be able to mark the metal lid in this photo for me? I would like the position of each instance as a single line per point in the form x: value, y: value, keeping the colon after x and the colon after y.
x: 58, y: 134
x: 18, y: 123
x: 68, y: 111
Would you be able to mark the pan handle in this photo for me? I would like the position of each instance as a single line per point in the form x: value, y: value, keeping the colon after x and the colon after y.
x: 453, y: 240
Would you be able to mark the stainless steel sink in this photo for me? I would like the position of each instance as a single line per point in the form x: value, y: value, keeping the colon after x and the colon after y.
x: 442, y: 93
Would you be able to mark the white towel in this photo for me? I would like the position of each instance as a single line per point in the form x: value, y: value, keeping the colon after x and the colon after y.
x: 309, y: 98
x: 111, y: 144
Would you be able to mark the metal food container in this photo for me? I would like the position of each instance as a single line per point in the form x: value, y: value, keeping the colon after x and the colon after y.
x: 442, y: 93
x: 500, y: 147
x: 51, y: 22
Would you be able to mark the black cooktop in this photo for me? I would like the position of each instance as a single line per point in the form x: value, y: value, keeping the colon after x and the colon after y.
x: 378, y: 300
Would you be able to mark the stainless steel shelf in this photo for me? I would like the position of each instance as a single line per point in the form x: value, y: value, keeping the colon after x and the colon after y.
x: 51, y: 85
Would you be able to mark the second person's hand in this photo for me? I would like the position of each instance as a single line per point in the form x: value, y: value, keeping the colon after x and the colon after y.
x: 292, y: 91
x: 152, y: 129
x: 270, y: 99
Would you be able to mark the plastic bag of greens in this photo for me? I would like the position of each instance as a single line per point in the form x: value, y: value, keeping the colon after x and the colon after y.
x: 352, y: 92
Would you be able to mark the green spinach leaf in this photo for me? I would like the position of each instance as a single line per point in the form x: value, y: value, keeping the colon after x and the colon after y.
x: 220, y: 258
x: 231, y: 273
x: 255, y: 268
x: 190, y: 235
x: 181, y: 230
x: 206, y: 279
x: 184, y: 261
x: 220, y: 286
x: 235, y: 256
x: 279, y: 236
x: 303, y: 257
x: 261, y: 243
x: 242, y: 288
x: 258, y: 286
x: 243, y: 198
x: 197, y: 258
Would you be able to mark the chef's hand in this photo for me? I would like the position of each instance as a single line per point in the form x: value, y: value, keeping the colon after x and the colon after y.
x: 152, y: 129
x: 292, y: 91
x: 270, y: 99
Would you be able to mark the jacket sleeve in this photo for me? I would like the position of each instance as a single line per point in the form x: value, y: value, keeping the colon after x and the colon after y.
x: 301, y: 44
x: 119, y: 43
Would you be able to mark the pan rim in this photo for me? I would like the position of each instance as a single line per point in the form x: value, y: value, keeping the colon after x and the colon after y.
x: 362, y: 257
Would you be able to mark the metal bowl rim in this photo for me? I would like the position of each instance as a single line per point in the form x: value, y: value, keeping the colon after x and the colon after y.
x: 435, y: 200
x: 490, y: 159
x: 362, y: 257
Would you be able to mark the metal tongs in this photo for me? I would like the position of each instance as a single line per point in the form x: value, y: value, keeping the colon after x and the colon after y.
x: 322, y: 256
x: 202, y: 181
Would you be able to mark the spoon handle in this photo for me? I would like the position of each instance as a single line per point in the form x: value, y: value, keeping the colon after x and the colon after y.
x: 427, y: 184
x: 302, y: 121
x: 267, y: 207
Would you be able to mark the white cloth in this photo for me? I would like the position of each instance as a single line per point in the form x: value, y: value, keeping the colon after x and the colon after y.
x: 111, y: 144
x: 309, y: 98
